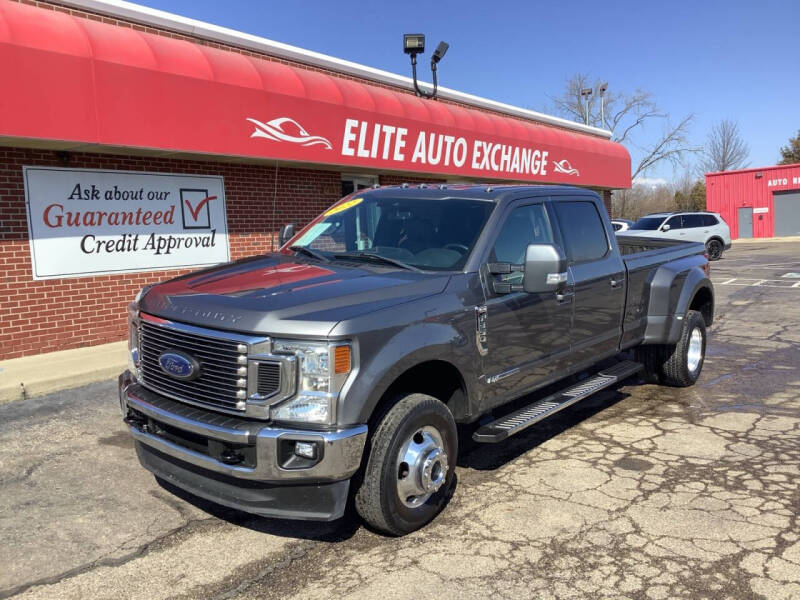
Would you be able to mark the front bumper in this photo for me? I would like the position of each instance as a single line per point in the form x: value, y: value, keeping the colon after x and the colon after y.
x: 241, y: 463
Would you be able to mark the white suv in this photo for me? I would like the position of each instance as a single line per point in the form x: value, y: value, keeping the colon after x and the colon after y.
x: 705, y: 227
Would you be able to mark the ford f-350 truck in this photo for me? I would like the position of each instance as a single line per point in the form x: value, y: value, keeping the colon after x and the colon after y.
x: 339, y: 367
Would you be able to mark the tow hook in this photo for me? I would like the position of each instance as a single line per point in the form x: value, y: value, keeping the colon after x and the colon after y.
x: 137, y: 422
x: 229, y: 456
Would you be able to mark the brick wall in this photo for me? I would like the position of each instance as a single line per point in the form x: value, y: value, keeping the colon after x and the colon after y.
x: 57, y: 314
x: 606, y: 195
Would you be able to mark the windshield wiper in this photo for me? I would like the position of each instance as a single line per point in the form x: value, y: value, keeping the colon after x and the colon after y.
x: 377, y: 257
x: 309, y: 252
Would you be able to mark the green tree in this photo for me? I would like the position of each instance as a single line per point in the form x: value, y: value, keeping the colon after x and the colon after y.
x: 790, y: 153
x: 691, y: 199
x: 698, y: 196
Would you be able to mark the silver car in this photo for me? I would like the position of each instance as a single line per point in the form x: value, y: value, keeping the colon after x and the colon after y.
x: 705, y: 227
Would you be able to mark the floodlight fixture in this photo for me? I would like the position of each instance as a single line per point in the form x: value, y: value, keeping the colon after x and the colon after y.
x: 439, y: 53
x: 413, y: 44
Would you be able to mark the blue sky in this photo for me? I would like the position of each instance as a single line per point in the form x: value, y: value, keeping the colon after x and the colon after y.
x: 735, y: 59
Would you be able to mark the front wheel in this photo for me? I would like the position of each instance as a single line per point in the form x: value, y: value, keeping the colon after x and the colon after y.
x: 714, y: 249
x: 679, y: 364
x: 411, y: 466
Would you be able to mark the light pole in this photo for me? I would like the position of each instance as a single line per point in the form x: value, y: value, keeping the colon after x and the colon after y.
x: 585, y: 93
x: 603, y: 88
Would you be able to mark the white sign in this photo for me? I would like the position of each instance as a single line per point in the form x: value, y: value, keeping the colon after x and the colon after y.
x: 90, y: 222
x: 762, y: 209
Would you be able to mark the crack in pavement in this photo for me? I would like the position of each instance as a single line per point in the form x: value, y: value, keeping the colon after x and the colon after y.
x: 142, y: 550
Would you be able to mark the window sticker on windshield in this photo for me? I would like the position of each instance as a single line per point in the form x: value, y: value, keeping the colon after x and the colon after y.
x: 344, y: 206
x: 313, y: 233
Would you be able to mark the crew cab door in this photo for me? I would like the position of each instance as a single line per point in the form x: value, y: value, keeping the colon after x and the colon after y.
x: 596, y: 275
x: 526, y: 334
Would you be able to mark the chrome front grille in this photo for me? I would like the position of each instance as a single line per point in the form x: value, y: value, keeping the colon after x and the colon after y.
x: 222, y: 382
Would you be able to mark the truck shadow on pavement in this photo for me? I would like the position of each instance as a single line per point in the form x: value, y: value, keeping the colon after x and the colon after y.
x: 320, y: 531
x: 478, y: 457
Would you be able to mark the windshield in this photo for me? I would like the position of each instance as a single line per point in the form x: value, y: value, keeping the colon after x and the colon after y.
x: 648, y: 223
x: 423, y: 233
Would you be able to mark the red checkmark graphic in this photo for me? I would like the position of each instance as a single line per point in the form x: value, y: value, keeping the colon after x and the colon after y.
x: 196, y: 210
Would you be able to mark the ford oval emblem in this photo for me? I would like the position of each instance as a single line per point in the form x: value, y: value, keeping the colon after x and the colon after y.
x: 178, y: 365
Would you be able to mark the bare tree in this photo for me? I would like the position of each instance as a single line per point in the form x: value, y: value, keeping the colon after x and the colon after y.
x: 682, y: 187
x: 625, y: 115
x: 642, y: 199
x: 725, y: 149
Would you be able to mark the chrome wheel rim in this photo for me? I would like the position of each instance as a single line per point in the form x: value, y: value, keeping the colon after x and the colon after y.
x: 421, y: 466
x: 695, y: 353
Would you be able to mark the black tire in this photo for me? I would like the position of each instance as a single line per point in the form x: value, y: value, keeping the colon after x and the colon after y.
x: 670, y: 364
x: 377, y: 499
x: 714, y: 248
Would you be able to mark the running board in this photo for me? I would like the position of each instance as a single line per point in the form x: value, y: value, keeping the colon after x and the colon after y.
x: 505, y: 427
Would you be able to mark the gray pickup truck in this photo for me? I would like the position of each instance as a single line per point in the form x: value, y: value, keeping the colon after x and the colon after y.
x: 338, y: 368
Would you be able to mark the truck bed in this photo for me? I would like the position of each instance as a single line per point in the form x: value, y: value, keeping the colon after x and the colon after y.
x: 634, y: 245
x: 643, y: 257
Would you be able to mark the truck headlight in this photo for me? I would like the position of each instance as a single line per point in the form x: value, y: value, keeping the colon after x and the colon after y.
x: 134, y: 359
x: 323, y: 369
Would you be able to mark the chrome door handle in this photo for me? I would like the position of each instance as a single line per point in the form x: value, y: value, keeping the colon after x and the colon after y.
x: 616, y: 283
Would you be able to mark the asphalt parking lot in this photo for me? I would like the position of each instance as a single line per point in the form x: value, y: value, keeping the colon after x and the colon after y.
x: 639, y: 492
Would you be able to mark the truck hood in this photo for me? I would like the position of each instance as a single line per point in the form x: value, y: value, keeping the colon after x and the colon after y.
x: 284, y: 295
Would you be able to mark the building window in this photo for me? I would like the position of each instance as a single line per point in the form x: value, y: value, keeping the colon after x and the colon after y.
x: 353, y: 183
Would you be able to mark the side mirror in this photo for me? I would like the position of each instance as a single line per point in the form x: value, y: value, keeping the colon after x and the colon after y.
x: 545, y: 268
x: 665, y: 227
x: 287, y: 233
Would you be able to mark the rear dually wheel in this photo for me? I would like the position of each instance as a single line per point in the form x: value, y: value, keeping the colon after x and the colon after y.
x: 679, y: 364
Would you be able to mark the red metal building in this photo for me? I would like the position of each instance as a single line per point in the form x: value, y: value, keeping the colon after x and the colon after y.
x: 762, y: 203
x: 136, y: 144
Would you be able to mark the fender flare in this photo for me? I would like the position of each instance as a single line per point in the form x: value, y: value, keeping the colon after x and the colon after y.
x: 669, y: 305
x: 408, y: 348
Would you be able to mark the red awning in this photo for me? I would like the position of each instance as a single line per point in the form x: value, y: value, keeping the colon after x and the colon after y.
x: 76, y: 80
